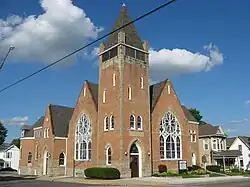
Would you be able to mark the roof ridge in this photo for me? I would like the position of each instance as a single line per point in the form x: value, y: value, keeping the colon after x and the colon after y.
x: 56, y: 105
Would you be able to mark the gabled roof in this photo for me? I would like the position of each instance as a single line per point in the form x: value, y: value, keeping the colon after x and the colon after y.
x: 61, y: 116
x: 245, y: 140
x: 188, y: 115
x: 208, y: 130
x: 155, y: 91
x: 39, y: 122
x: 229, y: 141
x: 29, y: 130
x: 132, y: 37
x: 94, y: 90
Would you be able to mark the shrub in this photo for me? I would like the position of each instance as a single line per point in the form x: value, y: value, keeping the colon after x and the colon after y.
x: 162, y: 168
x: 195, y: 167
x: 235, y: 170
x: 102, y: 173
x: 166, y: 174
x: 213, y: 168
x: 198, y: 172
x: 190, y: 168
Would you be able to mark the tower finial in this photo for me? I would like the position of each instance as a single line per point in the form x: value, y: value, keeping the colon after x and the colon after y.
x: 123, y: 5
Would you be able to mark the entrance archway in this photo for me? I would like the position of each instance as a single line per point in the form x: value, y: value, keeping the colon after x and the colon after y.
x: 193, y: 159
x: 45, y: 162
x: 135, y: 159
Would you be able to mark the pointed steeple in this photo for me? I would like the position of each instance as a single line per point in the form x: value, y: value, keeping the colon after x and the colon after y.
x: 132, y: 37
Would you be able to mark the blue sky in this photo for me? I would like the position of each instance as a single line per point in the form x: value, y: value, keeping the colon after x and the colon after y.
x: 177, y: 36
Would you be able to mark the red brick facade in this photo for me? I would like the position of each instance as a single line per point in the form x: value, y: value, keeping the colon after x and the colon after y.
x: 134, y: 112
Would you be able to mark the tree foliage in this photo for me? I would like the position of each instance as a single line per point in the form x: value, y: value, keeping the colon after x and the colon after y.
x: 16, y: 142
x: 3, y: 133
x: 197, y: 115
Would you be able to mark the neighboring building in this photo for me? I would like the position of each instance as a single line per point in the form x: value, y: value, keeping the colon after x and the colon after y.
x: 43, y: 145
x: 9, y: 156
x: 121, y: 122
x: 241, y: 143
x: 213, y: 146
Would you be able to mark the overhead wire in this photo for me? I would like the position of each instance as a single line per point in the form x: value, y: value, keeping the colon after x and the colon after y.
x: 89, y: 44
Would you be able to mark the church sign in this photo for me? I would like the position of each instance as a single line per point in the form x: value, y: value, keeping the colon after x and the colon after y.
x: 182, y: 165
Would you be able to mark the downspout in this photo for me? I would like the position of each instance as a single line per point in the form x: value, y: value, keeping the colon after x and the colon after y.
x: 66, y: 152
x: 151, y: 143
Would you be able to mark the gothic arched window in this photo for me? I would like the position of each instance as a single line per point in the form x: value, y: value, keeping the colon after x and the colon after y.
x: 139, y: 123
x: 108, y: 155
x: 170, y: 137
x: 62, y: 159
x: 112, y: 122
x: 132, y: 122
x: 83, y: 139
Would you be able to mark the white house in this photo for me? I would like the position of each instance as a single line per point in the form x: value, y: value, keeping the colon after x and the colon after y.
x: 9, y: 156
x: 241, y: 143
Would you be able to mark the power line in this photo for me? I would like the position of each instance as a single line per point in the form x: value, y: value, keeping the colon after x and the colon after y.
x: 91, y: 43
x: 10, y: 49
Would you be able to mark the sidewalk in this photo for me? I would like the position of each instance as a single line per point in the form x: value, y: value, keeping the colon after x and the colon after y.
x: 147, y: 181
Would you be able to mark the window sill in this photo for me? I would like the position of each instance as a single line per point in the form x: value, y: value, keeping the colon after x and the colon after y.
x: 82, y: 160
x: 170, y: 159
x: 61, y: 165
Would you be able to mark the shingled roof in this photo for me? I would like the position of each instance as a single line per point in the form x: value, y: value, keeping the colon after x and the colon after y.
x: 245, y: 140
x: 132, y: 37
x: 188, y: 115
x: 94, y: 90
x: 207, y: 130
x: 155, y: 91
x: 229, y: 141
x: 61, y: 116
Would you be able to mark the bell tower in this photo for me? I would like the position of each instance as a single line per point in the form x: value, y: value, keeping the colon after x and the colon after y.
x: 123, y: 102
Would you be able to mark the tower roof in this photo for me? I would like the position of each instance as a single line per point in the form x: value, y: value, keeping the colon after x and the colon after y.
x: 132, y: 37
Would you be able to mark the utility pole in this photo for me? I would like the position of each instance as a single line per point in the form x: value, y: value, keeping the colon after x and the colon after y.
x: 4, y: 60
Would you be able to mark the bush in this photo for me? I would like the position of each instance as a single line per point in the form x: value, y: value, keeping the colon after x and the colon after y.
x: 213, y: 168
x: 235, y: 170
x: 102, y: 173
x: 190, y: 168
x: 162, y: 168
x: 195, y: 167
x: 198, y: 172
x: 166, y: 174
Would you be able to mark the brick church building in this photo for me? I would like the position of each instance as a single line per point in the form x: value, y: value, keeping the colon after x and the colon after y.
x: 120, y: 122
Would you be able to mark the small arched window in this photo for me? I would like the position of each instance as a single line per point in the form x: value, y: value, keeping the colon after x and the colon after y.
x: 106, y: 123
x: 62, y: 159
x: 139, y: 123
x: 132, y: 122
x: 108, y: 155
x: 129, y: 93
x: 141, y: 82
x: 104, y: 97
x: 114, y: 79
x: 112, y: 122
x: 29, y: 157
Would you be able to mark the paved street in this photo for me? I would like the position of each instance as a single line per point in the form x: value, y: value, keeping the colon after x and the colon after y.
x: 35, y: 183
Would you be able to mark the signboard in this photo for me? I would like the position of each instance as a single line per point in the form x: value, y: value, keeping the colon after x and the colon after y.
x: 182, y: 165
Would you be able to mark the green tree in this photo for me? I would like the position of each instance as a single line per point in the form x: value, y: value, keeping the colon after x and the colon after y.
x: 197, y: 115
x: 3, y: 133
x: 16, y: 142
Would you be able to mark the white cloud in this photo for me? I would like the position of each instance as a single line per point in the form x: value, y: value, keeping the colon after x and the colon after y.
x: 62, y: 28
x: 247, y: 102
x: 166, y: 62
x: 238, y: 121
x: 15, y: 120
